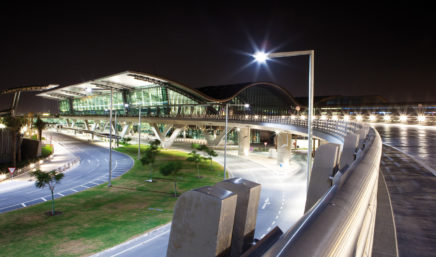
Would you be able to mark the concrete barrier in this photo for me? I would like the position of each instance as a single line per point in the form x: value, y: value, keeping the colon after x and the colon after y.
x: 351, y: 142
x: 324, y: 165
x: 246, y: 212
x: 203, y: 223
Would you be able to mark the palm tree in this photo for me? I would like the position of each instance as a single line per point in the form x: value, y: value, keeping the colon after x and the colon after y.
x: 40, y: 126
x: 48, y: 178
x: 14, y: 125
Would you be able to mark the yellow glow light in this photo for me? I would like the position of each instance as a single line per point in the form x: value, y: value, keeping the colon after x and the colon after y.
x: 403, y: 118
x: 346, y: 117
x: 421, y: 118
x: 372, y: 117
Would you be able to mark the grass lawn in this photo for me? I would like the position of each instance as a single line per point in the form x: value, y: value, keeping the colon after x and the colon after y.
x: 102, y: 217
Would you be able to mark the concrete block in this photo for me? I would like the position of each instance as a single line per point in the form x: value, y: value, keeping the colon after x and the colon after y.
x: 324, y: 164
x: 351, y: 142
x: 246, y: 212
x: 203, y: 223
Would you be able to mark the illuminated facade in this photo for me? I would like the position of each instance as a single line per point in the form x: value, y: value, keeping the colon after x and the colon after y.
x: 156, y: 96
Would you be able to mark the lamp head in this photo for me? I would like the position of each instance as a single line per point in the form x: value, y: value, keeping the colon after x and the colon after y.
x: 260, y: 57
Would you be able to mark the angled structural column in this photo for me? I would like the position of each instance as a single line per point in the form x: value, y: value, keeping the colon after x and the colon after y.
x: 166, y: 142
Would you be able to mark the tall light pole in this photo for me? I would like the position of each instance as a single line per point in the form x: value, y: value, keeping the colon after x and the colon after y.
x: 139, y: 133
x: 225, y: 135
x: 110, y: 143
x: 262, y: 57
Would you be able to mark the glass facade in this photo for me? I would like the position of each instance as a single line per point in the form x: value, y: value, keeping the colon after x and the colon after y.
x: 167, y: 99
x: 263, y: 100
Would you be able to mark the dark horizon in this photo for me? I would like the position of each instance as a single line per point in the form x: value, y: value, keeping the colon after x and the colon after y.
x: 359, y: 50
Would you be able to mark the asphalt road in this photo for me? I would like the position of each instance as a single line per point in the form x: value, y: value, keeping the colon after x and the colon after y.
x: 281, y: 203
x: 411, y: 186
x: 92, y: 171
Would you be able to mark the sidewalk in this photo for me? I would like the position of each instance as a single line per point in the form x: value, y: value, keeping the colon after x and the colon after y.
x: 61, y: 160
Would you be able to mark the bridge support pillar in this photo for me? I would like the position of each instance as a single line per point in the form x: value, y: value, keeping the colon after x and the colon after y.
x: 126, y: 129
x: 202, y: 223
x: 86, y: 124
x: 214, y: 140
x: 244, y: 141
x: 161, y: 136
x: 284, y: 142
x: 324, y: 165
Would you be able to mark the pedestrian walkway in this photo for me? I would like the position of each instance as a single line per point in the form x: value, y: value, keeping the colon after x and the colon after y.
x: 412, y: 190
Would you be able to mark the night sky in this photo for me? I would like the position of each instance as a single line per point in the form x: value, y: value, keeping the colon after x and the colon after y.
x: 371, y: 49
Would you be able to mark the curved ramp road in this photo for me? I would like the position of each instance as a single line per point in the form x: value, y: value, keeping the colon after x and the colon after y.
x: 92, y: 171
x: 407, y: 164
x: 281, y: 202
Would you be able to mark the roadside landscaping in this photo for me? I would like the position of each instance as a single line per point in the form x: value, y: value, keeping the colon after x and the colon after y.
x: 102, y: 217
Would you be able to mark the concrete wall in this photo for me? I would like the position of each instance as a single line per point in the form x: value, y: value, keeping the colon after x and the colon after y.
x: 324, y: 164
x: 30, y: 148
x: 203, y: 223
x: 246, y: 212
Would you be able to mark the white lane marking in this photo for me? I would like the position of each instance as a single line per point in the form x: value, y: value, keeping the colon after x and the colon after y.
x: 146, y: 241
x: 274, y: 222
x: 45, y: 200
x: 24, y: 205
x: 61, y: 194
x: 84, y: 186
x: 74, y: 190
x: 267, y: 202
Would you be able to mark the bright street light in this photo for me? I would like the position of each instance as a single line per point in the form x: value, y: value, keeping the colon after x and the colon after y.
x: 403, y: 118
x: 261, y: 57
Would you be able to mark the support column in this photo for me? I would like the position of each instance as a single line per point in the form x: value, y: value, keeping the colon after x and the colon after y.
x: 216, y: 139
x: 244, y: 141
x: 284, y: 141
x: 126, y: 129
x: 86, y: 124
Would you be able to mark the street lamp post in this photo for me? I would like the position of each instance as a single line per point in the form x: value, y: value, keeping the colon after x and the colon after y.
x: 261, y: 57
x: 110, y: 143
x: 225, y: 135
x: 139, y: 133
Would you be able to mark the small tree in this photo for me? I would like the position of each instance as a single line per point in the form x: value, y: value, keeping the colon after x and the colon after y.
x: 149, y: 156
x: 40, y: 126
x: 211, y: 153
x: 171, y: 168
x: 49, y: 179
x: 195, y: 158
